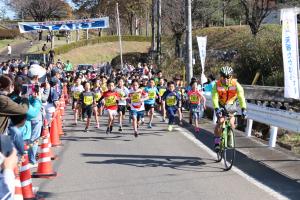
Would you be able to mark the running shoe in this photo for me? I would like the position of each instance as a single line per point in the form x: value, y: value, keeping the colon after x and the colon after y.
x: 97, y: 126
x: 170, y: 128
x: 197, y: 130
x: 120, y: 129
x: 86, y: 130
x: 136, y: 134
x: 107, y: 130
x: 110, y: 129
x: 149, y: 125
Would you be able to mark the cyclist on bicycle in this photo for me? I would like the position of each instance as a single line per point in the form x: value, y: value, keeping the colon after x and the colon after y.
x: 224, y: 95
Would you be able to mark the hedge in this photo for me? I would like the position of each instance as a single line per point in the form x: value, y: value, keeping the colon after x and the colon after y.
x: 68, y: 47
x: 9, y: 33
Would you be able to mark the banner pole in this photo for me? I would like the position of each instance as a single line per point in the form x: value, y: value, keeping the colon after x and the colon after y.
x: 120, y: 36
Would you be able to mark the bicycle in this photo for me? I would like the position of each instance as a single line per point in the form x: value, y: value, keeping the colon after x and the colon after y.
x: 227, y: 145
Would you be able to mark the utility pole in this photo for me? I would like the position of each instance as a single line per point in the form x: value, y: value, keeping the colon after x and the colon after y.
x: 119, y: 34
x: 153, y: 26
x: 158, y: 31
x: 189, y: 49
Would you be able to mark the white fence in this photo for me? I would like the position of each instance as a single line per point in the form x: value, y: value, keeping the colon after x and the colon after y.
x: 274, y: 117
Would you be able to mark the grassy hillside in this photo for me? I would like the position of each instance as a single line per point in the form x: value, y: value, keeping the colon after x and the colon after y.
x: 262, y: 53
x: 102, y: 52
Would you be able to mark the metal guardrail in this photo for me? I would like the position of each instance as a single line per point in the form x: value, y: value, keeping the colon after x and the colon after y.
x: 276, y: 118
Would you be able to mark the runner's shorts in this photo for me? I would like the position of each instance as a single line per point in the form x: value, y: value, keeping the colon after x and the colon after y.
x: 137, y: 114
x: 149, y: 106
x: 110, y: 112
x: 87, y: 110
x: 122, y: 108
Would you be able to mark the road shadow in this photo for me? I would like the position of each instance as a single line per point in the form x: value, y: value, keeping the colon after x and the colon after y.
x: 144, y: 161
x: 89, y: 138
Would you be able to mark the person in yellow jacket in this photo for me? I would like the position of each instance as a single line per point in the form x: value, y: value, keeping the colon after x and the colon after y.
x: 225, y: 93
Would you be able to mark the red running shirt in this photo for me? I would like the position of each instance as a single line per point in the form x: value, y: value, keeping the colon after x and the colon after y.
x: 110, y: 100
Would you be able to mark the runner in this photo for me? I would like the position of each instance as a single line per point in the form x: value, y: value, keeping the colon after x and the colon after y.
x: 76, y: 90
x: 123, y: 92
x: 172, y: 101
x: 87, y: 101
x: 136, y: 102
x: 150, y: 103
x: 110, y: 98
x: 161, y: 90
x: 98, y: 93
x: 195, y: 97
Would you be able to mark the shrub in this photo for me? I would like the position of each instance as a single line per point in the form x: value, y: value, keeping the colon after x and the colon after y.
x: 9, y: 33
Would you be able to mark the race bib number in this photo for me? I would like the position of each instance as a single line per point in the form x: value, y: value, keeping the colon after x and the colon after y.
x: 76, y: 95
x: 110, y: 101
x: 136, y: 98
x: 161, y: 92
x: 194, y: 98
x: 88, y: 100
x: 171, y: 101
x: 97, y: 96
x: 152, y: 95
x: 122, y: 94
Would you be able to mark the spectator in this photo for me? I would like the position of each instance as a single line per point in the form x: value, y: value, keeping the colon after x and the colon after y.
x: 51, y: 55
x: 8, y: 107
x: 9, y: 50
x: 48, y: 38
x: 68, y: 66
x: 8, y: 162
x: 44, y: 48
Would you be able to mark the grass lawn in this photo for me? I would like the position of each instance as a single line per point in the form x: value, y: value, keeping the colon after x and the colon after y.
x: 102, y: 52
x: 4, y: 43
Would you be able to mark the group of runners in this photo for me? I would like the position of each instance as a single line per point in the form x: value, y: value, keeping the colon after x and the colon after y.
x: 138, y: 92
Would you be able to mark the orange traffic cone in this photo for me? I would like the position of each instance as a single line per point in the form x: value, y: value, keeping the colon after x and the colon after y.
x: 45, y: 167
x: 25, y: 177
x: 18, y: 188
x: 45, y: 133
x: 59, y: 123
x: 54, y: 134
x: 62, y: 105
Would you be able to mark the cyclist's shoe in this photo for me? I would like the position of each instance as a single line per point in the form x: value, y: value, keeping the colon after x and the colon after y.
x: 170, y: 128
x: 107, y: 130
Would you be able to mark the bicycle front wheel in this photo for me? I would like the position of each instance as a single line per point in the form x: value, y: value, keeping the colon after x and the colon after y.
x: 229, y: 150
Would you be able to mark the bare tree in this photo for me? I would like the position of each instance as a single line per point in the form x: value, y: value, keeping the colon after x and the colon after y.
x: 256, y: 11
x: 41, y: 10
x: 173, y: 16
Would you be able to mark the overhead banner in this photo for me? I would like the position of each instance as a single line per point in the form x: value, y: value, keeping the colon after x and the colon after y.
x: 202, y: 42
x: 290, y: 53
x: 69, y: 25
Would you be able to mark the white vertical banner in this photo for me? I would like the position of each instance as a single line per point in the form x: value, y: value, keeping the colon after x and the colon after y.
x: 290, y: 53
x: 202, y: 42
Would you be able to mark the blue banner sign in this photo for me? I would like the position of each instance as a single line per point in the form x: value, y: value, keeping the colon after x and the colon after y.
x: 70, y: 25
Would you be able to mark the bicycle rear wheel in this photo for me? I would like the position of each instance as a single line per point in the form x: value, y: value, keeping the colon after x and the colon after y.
x: 219, y: 156
x: 229, y: 151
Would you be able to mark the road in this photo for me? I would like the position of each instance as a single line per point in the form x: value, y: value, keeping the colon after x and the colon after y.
x: 156, y: 165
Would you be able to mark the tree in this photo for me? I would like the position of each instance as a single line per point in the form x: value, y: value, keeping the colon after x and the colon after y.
x: 41, y: 10
x: 205, y: 12
x: 255, y: 12
x: 173, y: 16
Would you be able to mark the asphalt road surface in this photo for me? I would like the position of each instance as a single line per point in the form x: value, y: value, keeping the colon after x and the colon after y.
x: 156, y: 165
